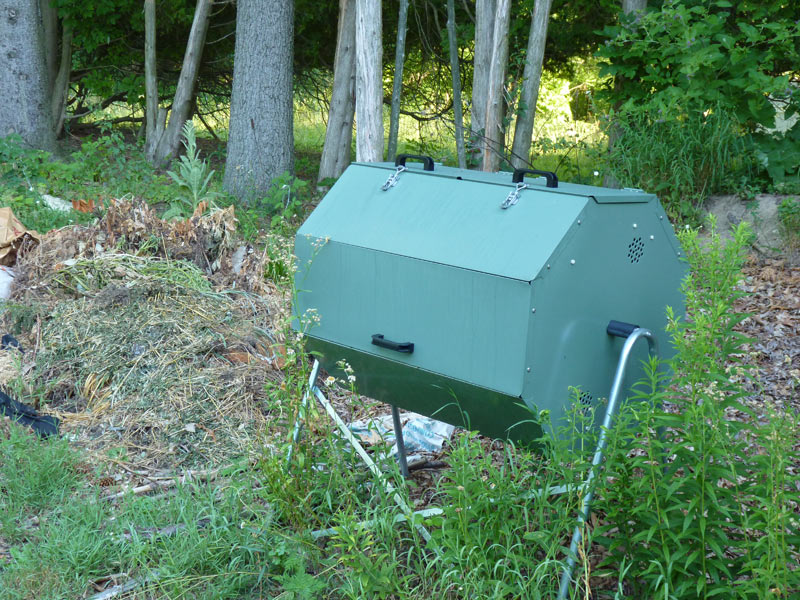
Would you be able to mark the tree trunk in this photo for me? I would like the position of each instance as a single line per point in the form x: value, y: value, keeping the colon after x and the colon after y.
x: 399, y: 59
x: 339, y: 133
x: 155, y: 119
x: 531, y: 78
x: 261, y: 138
x: 50, y: 22
x: 168, y: 144
x: 369, y: 82
x: 454, y: 70
x: 24, y: 89
x: 61, y: 83
x: 628, y: 6
x: 494, y: 145
x: 484, y: 19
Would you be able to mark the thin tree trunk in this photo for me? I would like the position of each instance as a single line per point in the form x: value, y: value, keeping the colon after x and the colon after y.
x: 50, y: 23
x: 628, y: 6
x: 24, y: 82
x: 399, y: 59
x: 261, y: 135
x: 369, y: 82
x: 61, y: 83
x: 150, y: 79
x: 484, y: 19
x: 495, y: 135
x: 531, y: 79
x: 169, y: 142
x: 339, y: 133
x: 454, y: 70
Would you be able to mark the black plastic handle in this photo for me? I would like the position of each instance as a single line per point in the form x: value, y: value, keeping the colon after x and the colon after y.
x: 400, y: 161
x: 620, y: 328
x: 404, y: 347
x: 519, y: 176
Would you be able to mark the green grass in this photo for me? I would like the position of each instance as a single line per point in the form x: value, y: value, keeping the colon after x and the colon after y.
x: 225, y: 547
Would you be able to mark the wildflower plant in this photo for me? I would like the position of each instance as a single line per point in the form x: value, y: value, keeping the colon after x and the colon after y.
x: 698, y: 500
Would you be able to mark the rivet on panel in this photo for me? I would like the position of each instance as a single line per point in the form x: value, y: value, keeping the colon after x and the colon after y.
x: 661, y: 217
x: 548, y: 266
x: 528, y: 369
x: 579, y: 221
x: 652, y: 237
x: 635, y: 225
x: 533, y: 310
x: 572, y: 262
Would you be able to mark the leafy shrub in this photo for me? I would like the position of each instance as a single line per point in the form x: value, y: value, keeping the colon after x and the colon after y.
x: 691, y: 56
x: 699, y: 500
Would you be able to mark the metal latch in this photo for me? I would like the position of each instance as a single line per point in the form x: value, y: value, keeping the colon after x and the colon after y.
x: 513, y: 196
x: 392, y: 181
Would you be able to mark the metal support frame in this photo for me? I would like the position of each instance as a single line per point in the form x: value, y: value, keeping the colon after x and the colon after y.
x: 398, y: 436
x: 599, y: 453
x: 408, y: 515
x: 313, y: 389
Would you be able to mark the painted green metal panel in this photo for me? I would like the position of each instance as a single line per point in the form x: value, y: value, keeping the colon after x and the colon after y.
x: 598, y: 194
x: 450, y: 400
x: 505, y: 307
x: 620, y: 263
x: 440, y: 219
x: 464, y: 324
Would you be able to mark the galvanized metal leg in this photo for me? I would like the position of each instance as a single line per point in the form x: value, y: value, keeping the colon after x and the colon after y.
x: 301, y: 414
x: 602, y: 443
x: 398, y: 436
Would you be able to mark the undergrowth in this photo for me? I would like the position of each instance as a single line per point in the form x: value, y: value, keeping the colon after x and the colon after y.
x: 701, y: 499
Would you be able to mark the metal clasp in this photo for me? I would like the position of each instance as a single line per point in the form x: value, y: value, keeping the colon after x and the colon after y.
x: 513, y: 196
x: 392, y: 181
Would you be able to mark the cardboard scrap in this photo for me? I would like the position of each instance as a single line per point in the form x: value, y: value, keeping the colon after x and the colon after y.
x: 12, y: 235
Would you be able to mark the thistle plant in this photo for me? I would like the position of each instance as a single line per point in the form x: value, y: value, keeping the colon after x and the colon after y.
x: 193, y: 176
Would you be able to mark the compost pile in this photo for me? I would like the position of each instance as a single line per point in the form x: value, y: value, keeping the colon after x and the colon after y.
x: 154, y: 342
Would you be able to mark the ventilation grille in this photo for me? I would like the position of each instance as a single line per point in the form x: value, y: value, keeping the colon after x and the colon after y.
x: 635, y: 250
x: 585, y: 400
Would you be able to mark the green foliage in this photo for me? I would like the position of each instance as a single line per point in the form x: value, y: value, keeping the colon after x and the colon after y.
x: 681, y: 158
x: 224, y: 546
x: 35, y: 475
x: 193, y: 176
x: 789, y: 216
x: 698, y: 499
x: 691, y: 57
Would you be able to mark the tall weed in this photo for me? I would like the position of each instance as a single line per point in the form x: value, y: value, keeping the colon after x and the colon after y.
x: 698, y: 498
x: 682, y: 159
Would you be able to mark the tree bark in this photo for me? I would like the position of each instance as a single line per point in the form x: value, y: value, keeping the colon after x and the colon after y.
x: 61, y: 83
x: 484, y: 18
x: 261, y: 138
x: 24, y: 82
x: 167, y: 146
x: 339, y: 133
x: 369, y: 82
x: 494, y: 134
x: 399, y: 59
x: 532, y: 77
x: 150, y: 80
x: 629, y: 6
x: 50, y: 23
x: 454, y: 70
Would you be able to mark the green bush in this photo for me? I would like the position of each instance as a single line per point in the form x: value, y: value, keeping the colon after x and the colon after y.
x: 691, y: 56
x: 699, y: 499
